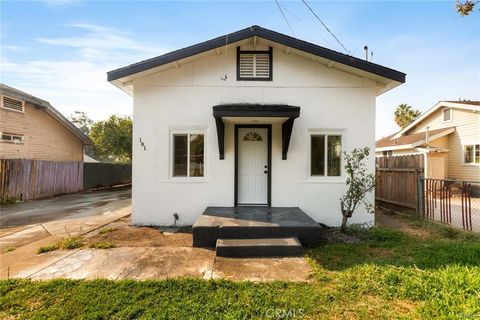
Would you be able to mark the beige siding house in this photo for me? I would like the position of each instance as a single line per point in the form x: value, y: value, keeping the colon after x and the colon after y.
x: 448, y: 135
x: 31, y: 128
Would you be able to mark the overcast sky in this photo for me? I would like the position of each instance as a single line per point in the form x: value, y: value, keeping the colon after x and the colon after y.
x: 60, y: 50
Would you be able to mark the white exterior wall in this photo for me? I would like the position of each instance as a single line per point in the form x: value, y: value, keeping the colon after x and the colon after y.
x: 183, y: 98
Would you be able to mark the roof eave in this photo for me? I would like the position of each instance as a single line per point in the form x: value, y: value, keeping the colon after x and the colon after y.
x: 256, y: 31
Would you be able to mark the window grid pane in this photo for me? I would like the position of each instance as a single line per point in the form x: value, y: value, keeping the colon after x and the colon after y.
x: 334, y: 156
x: 477, y: 153
x: 469, y: 154
x: 317, y: 155
x: 180, y: 155
x: 196, y: 155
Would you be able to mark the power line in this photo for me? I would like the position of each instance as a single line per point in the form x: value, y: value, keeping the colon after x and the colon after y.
x: 324, y: 25
x: 285, y: 17
x: 306, y: 25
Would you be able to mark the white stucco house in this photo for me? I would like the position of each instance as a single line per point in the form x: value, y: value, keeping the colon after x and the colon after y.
x: 252, y: 118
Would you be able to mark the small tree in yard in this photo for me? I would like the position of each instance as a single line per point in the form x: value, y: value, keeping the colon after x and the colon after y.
x: 359, y: 184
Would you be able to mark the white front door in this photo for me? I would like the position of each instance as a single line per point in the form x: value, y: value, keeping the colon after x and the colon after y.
x: 252, y: 166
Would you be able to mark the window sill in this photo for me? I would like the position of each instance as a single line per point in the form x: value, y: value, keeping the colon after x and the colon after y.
x: 11, y: 142
x: 186, y: 180
x: 324, y: 181
x: 471, y: 165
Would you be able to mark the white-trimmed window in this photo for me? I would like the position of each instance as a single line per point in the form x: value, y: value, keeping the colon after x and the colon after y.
x: 11, y: 137
x: 447, y: 114
x: 188, y: 154
x: 471, y: 154
x: 326, y: 154
x: 387, y: 153
x: 13, y: 104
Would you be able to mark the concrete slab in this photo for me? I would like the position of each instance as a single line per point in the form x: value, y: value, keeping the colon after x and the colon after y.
x: 84, y: 225
x: 91, y: 264
x: 6, y: 231
x: 262, y: 269
x: 25, y: 261
x: 269, y: 247
x: 23, y: 237
x: 162, y: 263
x: 130, y: 263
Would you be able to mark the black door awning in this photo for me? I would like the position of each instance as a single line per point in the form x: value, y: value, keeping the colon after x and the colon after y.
x: 256, y: 110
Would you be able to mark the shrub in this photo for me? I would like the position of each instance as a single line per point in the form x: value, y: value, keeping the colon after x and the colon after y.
x: 71, y: 242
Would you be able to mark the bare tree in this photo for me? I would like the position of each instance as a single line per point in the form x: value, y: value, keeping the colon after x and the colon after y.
x: 359, y: 184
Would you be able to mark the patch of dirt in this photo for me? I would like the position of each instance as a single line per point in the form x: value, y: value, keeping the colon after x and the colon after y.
x: 402, y: 223
x: 122, y: 234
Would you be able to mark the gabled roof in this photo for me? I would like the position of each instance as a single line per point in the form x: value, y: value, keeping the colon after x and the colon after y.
x: 411, y: 140
x: 470, y: 102
x: 257, y: 31
x: 47, y: 107
x: 467, y: 105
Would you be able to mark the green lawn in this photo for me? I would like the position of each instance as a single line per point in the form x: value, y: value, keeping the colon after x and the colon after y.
x: 391, y: 275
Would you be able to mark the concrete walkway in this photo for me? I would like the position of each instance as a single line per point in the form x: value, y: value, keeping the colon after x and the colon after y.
x: 159, y: 263
x: 24, y: 261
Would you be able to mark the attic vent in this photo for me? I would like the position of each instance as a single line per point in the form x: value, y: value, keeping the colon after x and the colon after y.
x: 13, y: 104
x: 254, y: 65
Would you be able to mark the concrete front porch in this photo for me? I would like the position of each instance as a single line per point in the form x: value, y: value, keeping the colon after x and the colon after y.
x: 218, y: 223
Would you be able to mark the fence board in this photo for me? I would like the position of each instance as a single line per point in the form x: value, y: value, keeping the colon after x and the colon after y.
x: 397, y: 179
x: 33, y: 179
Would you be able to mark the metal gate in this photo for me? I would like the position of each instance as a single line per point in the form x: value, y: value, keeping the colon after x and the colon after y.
x: 453, y: 202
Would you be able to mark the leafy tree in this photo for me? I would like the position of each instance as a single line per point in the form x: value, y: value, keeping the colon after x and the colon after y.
x: 82, y: 121
x: 112, y: 138
x: 405, y: 114
x: 359, y: 184
x: 466, y: 7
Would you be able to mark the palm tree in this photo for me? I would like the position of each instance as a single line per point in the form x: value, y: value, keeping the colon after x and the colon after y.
x: 405, y: 114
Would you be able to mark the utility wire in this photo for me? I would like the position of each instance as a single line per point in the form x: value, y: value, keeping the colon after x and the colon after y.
x: 306, y: 25
x: 285, y: 17
x: 325, y: 26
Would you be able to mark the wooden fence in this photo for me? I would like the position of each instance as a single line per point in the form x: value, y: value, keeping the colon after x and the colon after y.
x: 397, y: 180
x: 33, y: 179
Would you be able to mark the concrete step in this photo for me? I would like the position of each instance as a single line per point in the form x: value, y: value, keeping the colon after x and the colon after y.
x: 266, y: 247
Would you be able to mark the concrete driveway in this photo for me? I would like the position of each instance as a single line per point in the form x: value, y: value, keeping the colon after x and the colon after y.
x: 72, y: 206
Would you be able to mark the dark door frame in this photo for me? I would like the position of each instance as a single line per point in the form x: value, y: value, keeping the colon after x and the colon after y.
x: 269, y: 161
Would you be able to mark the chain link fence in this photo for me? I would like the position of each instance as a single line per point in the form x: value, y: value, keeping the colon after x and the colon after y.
x: 452, y: 202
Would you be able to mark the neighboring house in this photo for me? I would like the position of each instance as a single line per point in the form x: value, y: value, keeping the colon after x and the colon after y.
x: 31, y: 128
x: 448, y: 135
x: 253, y: 118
